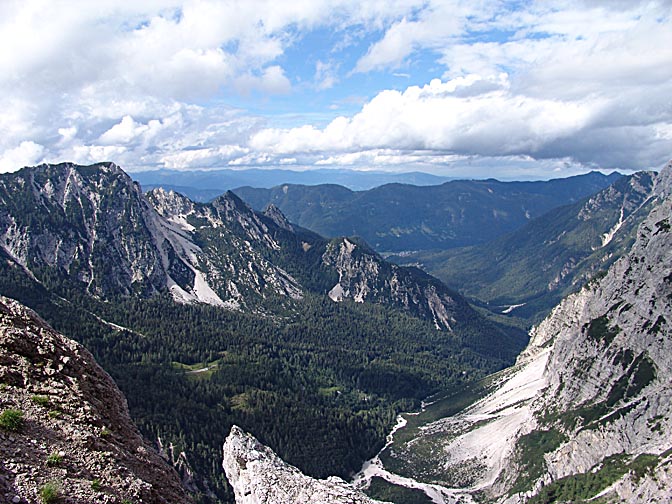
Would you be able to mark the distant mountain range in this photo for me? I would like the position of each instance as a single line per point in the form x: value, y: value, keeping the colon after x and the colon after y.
x: 204, y: 185
x: 398, y: 217
x: 527, y: 272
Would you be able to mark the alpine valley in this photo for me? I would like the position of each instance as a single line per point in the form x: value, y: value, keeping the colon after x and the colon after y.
x: 253, y: 349
x: 583, y: 416
x: 212, y: 314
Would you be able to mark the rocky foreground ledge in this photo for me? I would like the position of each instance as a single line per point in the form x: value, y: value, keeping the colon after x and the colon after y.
x: 258, y: 475
x: 65, y: 432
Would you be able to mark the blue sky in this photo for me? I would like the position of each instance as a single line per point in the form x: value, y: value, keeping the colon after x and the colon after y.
x: 483, y: 88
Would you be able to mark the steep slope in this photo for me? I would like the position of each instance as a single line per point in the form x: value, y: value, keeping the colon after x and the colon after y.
x: 233, y: 258
x: 398, y: 217
x: 71, y: 433
x: 259, y: 475
x: 364, y: 276
x: 527, y: 272
x: 91, y: 229
x: 90, y: 224
x: 586, y: 412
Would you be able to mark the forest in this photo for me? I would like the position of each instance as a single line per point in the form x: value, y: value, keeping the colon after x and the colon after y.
x: 321, y: 384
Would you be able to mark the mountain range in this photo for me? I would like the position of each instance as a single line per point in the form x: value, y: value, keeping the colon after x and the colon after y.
x: 583, y: 416
x: 213, y: 314
x: 400, y: 217
x: 527, y: 272
x: 205, y: 185
x: 209, y: 314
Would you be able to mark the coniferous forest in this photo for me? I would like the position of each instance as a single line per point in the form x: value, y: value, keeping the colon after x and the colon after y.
x: 320, y: 384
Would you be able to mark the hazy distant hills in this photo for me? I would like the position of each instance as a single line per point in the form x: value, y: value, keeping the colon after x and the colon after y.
x: 534, y: 267
x: 202, y: 185
x: 399, y: 217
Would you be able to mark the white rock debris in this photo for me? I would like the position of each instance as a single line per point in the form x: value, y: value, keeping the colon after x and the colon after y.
x: 258, y: 476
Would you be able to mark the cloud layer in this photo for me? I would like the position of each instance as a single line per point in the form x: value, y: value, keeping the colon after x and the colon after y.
x: 196, y: 84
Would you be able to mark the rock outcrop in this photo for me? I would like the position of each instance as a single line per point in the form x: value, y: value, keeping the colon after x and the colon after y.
x: 258, y: 476
x: 65, y: 429
x: 364, y: 276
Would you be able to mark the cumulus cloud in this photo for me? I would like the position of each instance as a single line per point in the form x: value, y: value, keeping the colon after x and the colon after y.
x: 150, y: 84
x: 25, y: 154
x: 438, y: 117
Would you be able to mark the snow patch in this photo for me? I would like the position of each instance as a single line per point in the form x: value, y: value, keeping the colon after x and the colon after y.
x: 512, y: 307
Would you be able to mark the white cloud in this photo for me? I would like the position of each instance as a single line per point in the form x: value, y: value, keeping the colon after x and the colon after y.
x: 25, y: 154
x: 438, y: 23
x: 123, y: 132
x: 325, y: 75
x: 204, y: 158
x: 146, y: 83
x: 272, y: 80
x: 435, y: 117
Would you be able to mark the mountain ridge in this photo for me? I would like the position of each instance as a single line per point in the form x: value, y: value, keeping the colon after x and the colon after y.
x: 452, y: 214
x: 93, y: 226
x: 526, y: 272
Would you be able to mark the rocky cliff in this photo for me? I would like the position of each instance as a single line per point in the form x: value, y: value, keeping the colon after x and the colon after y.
x: 608, y: 393
x: 65, y: 431
x: 91, y: 229
x: 259, y: 476
x: 365, y: 276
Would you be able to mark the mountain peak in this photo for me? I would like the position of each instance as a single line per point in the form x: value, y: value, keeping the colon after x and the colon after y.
x: 663, y: 186
x: 257, y: 474
x: 275, y: 214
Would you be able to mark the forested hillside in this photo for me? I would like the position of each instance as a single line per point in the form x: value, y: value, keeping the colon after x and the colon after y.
x: 527, y: 272
x: 400, y: 217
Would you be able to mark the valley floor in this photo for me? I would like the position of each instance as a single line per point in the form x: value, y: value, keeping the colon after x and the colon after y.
x: 488, y: 421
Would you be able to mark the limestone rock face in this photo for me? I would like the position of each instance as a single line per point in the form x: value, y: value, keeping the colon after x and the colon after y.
x: 364, y: 277
x: 258, y: 476
x: 75, y: 432
x: 608, y: 376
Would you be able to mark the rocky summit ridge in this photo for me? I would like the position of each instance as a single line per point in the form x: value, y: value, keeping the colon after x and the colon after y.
x: 258, y: 476
x: 65, y: 431
x: 91, y: 229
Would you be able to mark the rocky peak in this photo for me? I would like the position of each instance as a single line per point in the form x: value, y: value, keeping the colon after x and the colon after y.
x: 364, y: 276
x: 169, y: 203
x: 72, y: 431
x: 276, y: 215
x: 663, y: 187
x: 258, y: 475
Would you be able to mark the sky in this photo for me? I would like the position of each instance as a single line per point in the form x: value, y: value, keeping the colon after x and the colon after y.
x: 475, y: 88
